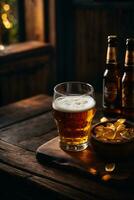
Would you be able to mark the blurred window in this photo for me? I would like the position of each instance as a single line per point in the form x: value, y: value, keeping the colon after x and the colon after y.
x: 9, y: 25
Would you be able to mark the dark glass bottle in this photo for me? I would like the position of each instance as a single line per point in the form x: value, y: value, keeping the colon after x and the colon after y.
x: 112, y: 80
x: 128, y: 81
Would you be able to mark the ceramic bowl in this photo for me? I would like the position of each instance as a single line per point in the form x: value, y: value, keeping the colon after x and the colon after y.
x: 109, y: 149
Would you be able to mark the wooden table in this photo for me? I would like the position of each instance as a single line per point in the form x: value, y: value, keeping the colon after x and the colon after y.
x: 24, y: 126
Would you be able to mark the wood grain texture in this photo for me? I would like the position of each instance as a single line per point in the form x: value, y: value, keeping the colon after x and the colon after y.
x: 38, y: 174
x: 25, y: 70
x: 24, y: 109
x: 60, y: 179
x: 87, y: 161
x: 30, y: 137
x: 28, y: 124
x: 14, y: 51
x: 34, y: 15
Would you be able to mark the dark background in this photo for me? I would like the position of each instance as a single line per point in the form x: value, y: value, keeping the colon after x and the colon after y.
x: 76, y: 31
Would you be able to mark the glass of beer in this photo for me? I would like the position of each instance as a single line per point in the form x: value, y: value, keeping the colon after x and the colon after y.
x: 73, y: 109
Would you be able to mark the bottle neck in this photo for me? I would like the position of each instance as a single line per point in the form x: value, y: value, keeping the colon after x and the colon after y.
x: 129, y: 58
x: 111, y: 57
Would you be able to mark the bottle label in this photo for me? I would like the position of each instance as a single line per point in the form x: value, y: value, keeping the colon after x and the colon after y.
x: 128, y: 95
x: 110, y: 95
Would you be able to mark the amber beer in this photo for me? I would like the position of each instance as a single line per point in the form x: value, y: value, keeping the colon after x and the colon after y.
x: 128, y: 81
x: 73, y: 115
x: 112, y: 80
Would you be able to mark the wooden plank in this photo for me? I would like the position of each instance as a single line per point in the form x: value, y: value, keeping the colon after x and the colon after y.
x: 32, y: 52
x: 21, y: 62
x: 26, y: 161
x: 30, y: 133
x: 19, y: 50
x: 24, y: 79
x: 29, y: 187
x: 18, y: 162
x: 42, y: 128
x: 34, y: 29
x: 87, y: 161
x: 65, y: 191
x: 24, y: 109
x: 33, y: 132
x: 42, y: 181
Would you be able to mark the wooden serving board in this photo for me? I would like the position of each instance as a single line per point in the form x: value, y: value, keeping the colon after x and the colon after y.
x: 86, y: 161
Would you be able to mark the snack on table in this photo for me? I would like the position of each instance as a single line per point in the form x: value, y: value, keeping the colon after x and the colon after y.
x: 114, y: 132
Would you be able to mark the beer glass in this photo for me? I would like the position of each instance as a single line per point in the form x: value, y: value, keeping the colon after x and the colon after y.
x: 73, y: 110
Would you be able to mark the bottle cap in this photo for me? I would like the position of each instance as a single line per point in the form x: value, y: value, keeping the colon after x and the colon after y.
x: 111, y: 37
x: 112, y: 40
x: 130, y: 43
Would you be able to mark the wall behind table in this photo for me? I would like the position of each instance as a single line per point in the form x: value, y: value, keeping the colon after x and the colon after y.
x: 25, y: 71
x: 93, y: 22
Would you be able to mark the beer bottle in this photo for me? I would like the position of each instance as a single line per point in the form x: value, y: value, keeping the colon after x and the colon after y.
x: 112, y: 80
x: 128, y: 81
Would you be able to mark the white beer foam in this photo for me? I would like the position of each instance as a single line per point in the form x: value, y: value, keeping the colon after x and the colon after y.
x: 73, y: 103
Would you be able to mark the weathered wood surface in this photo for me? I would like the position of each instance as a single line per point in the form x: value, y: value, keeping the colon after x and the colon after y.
x: 26, y: 70
x: 23, y: 160
x: 88, y: 162
x: 24, y: 177
x: 24, y: 109
x: 27, y: 49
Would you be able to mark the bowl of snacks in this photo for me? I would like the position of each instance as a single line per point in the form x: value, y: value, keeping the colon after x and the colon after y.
x: 113, y: 138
